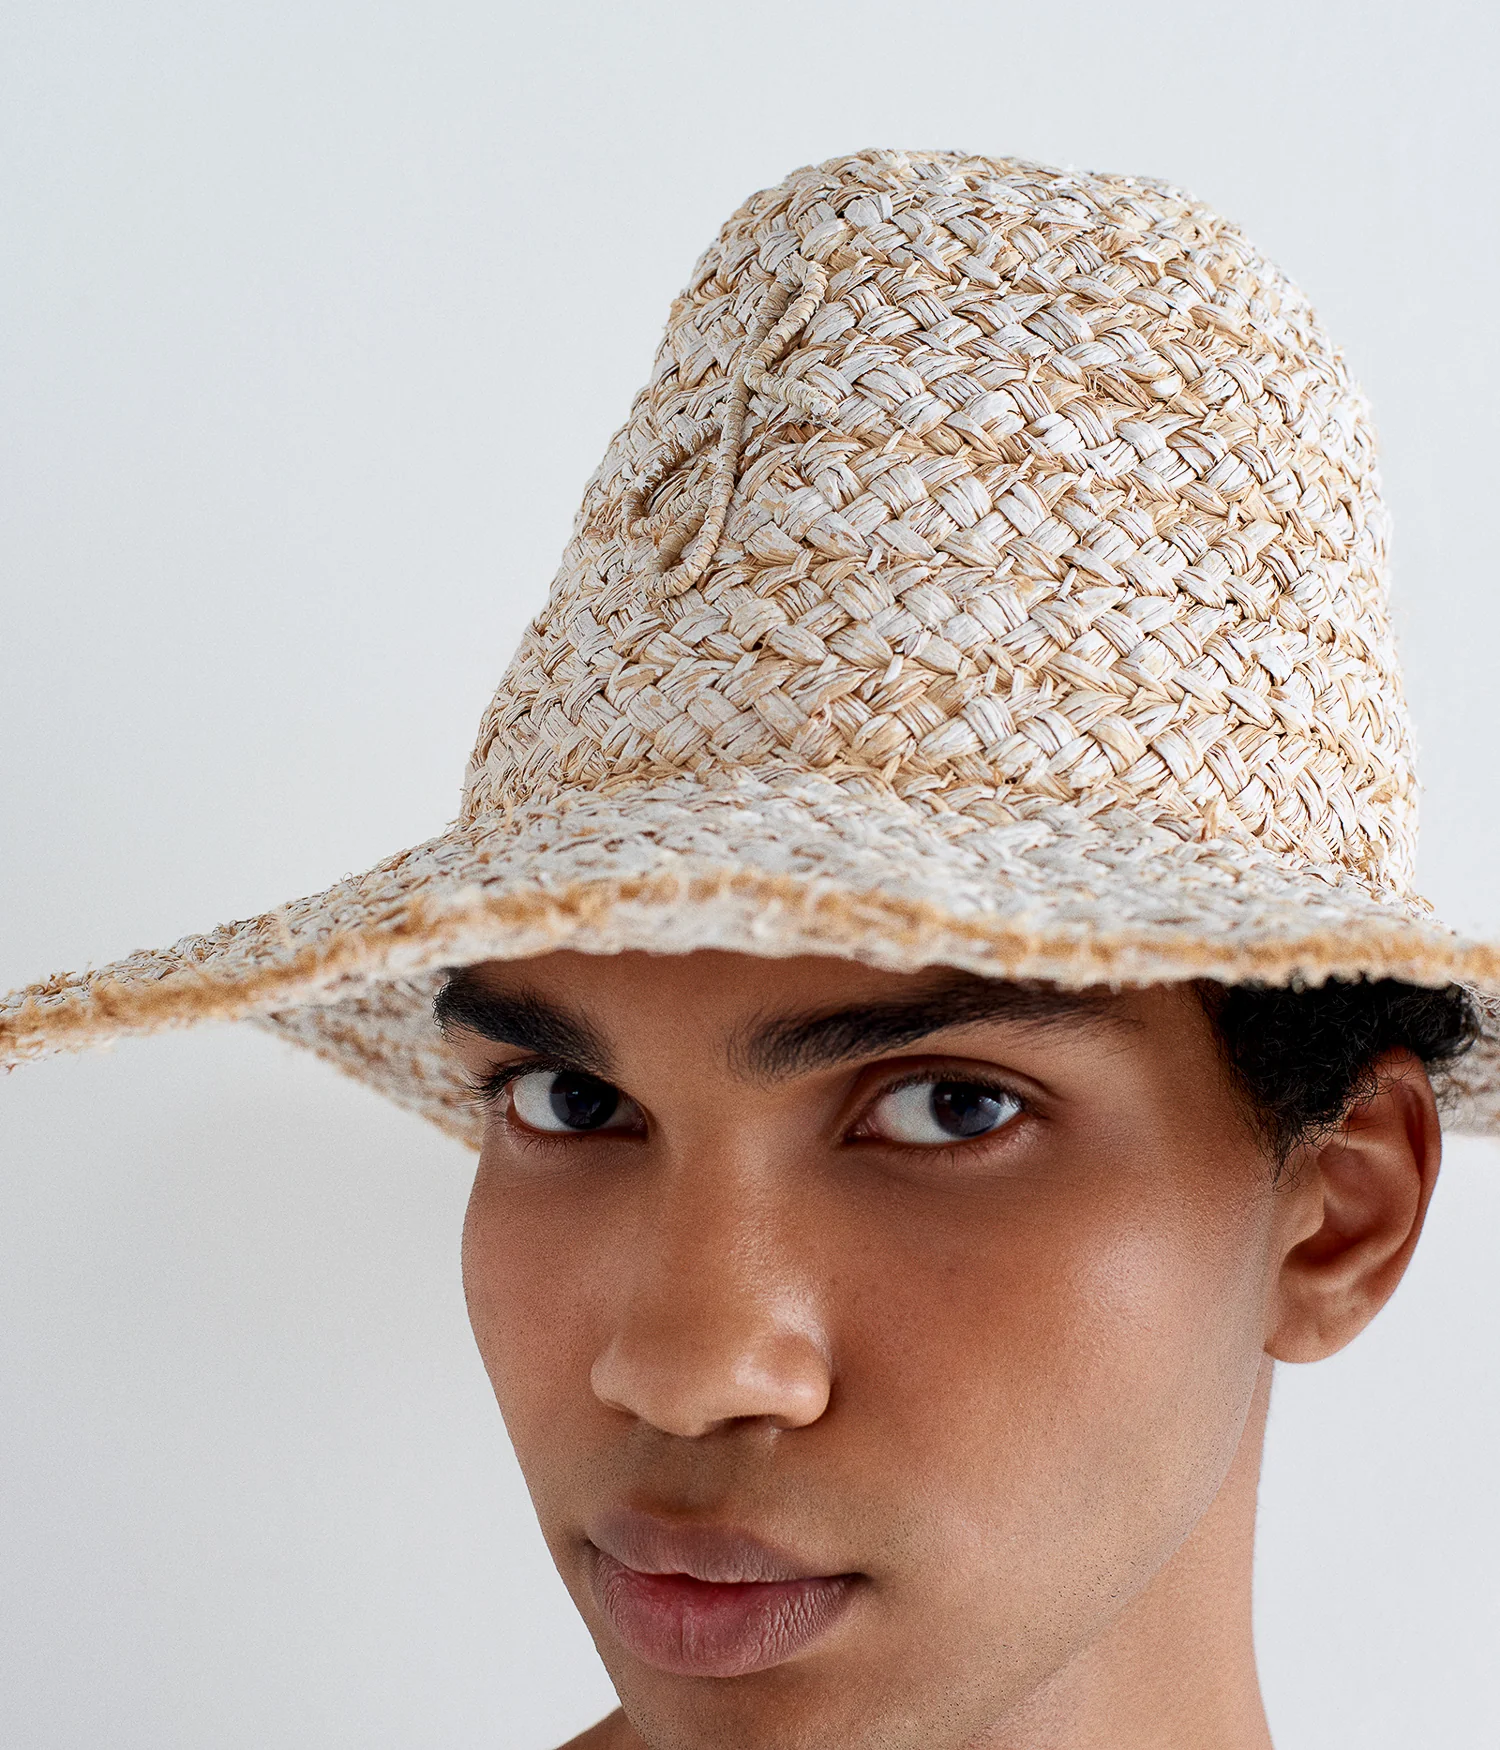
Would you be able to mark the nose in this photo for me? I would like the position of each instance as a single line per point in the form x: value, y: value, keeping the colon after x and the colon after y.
x: 709, y: 1331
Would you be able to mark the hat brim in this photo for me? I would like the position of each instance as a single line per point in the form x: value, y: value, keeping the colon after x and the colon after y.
x: 776, y: 865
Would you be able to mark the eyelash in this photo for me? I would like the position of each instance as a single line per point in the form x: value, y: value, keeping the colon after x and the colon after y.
x: 488, y: 1089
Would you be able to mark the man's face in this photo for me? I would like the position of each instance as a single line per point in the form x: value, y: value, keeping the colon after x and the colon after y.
x: 868, y: 1341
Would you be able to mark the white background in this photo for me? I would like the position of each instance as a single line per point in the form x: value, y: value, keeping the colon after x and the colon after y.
x: 315, y: 318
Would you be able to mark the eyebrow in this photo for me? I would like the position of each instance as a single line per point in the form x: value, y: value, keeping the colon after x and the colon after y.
x: 785, y: 1046
x: 781, y: 1048
x: 519, y: 1018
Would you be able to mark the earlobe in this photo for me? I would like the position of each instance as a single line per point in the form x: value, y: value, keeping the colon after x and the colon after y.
x: 1353, y: 1214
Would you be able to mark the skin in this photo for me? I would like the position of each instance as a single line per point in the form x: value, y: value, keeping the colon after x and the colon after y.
x: 1014, y: 1386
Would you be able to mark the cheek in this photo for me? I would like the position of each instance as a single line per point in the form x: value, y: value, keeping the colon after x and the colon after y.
x: 1073, y: 1387
x: 524, y: 1259
x: 1167, y: 1324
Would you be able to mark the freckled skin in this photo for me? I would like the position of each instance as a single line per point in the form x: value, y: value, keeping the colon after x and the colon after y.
x: 1017, y: 1384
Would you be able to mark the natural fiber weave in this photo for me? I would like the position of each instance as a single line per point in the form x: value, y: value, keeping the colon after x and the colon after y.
x: 992, y: 573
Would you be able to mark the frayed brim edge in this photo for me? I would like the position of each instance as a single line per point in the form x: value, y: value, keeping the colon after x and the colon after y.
x: 773, y: 915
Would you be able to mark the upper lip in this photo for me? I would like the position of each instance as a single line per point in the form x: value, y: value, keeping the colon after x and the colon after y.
x: 721, y: 1554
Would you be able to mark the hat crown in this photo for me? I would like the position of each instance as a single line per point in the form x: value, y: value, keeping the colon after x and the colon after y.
x: 990, y: 488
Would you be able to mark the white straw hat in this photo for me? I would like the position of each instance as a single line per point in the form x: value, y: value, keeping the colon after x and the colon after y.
x: 991, y: 574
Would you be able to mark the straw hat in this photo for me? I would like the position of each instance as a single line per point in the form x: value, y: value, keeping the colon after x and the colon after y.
x: 991, y: 574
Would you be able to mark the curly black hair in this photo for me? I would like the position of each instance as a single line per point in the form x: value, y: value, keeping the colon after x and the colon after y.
x: 1304, y: 1058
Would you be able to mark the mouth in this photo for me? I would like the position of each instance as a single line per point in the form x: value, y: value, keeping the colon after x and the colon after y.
x: 704, y: 1601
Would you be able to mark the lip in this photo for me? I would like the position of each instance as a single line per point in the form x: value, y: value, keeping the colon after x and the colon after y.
x: 708, y: 1601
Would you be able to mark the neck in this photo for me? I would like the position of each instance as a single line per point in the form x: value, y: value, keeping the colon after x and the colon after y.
x: 1174, y: 1671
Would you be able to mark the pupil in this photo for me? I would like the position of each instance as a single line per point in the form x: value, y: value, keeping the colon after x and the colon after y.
x: 964, y: 1110
x: 583, y: 1102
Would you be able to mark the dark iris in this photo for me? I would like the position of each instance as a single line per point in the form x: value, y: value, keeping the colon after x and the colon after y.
x: 583, y: 1102
x: 964, y: 1110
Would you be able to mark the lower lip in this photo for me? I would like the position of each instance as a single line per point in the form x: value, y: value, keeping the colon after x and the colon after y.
x: 702, y: 1628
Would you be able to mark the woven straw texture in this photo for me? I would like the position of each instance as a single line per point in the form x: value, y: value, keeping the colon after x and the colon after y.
x: 991, y: 573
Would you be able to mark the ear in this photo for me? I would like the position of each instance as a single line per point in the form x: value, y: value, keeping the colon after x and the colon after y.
x: 1355, y: 1204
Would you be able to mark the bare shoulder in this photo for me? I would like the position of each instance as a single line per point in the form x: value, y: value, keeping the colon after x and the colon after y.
x: 612, y: 1733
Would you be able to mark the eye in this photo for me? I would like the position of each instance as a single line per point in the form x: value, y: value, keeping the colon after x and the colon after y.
x: 564, y: 1101
x: 932, y: 1113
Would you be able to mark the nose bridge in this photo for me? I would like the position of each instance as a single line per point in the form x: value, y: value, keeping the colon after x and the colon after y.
x: 717, y: 1318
